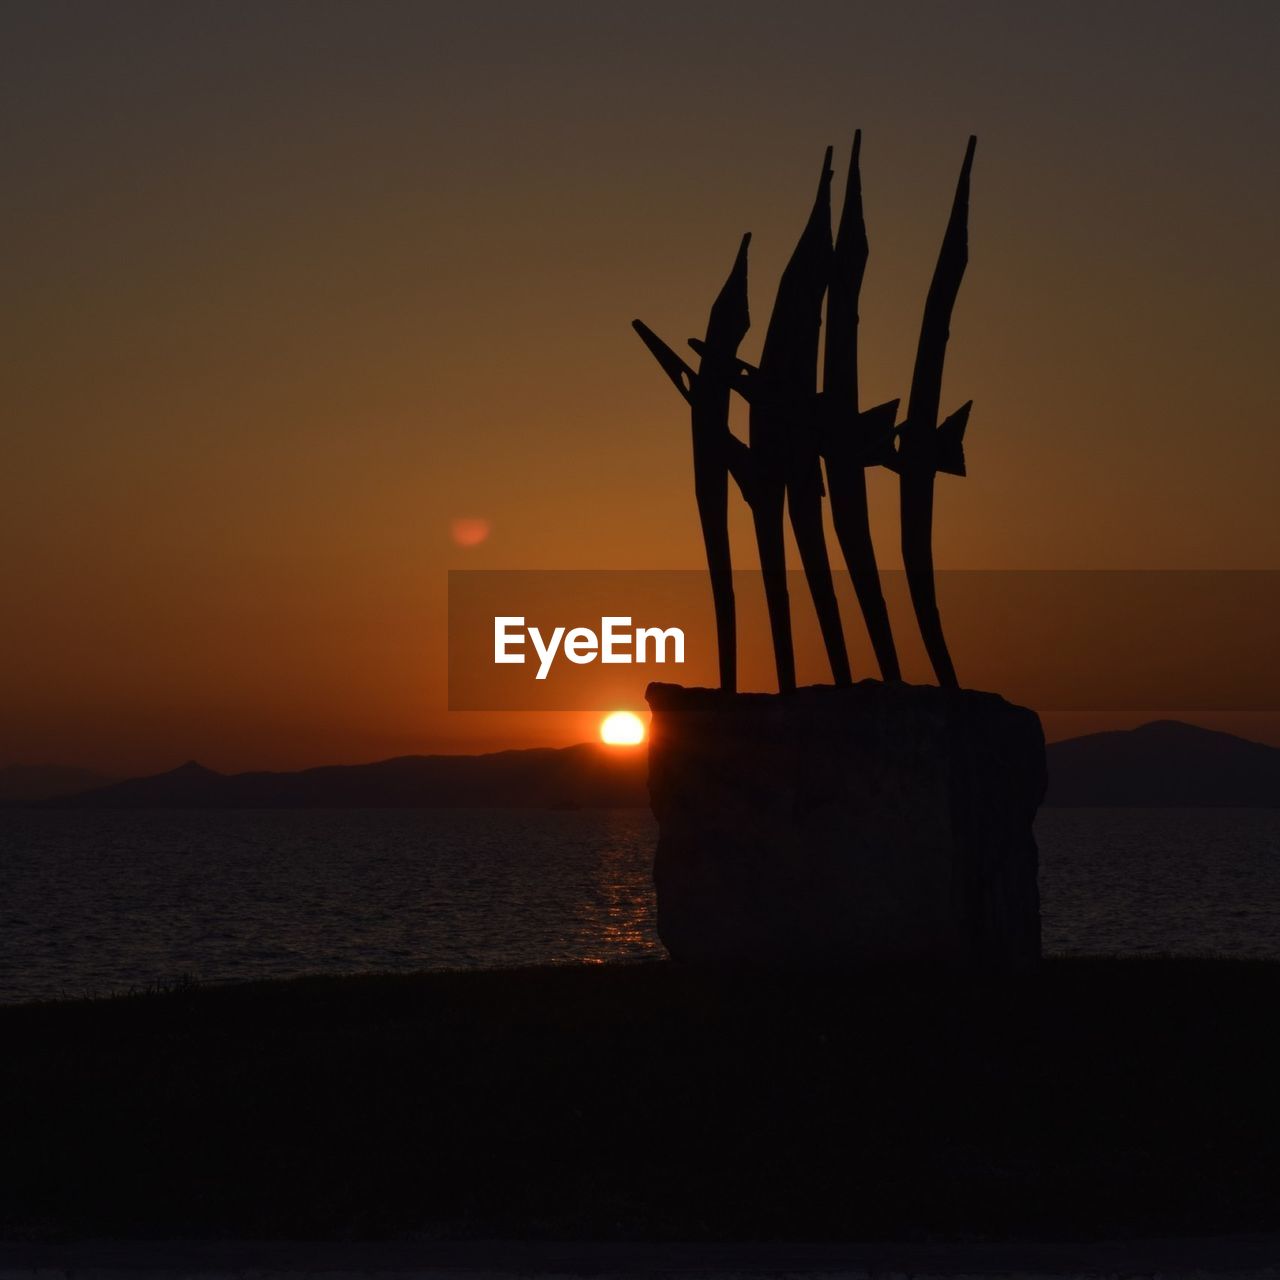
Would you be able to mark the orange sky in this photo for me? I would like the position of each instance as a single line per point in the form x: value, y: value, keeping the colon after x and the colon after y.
x: 290, y: 287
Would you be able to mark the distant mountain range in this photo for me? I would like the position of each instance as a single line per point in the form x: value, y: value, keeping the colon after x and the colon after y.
x: 585, y: 776
x: 31, y: 783
x: 1164, y: 763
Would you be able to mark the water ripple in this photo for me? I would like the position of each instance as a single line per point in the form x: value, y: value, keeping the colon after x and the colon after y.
x: 99, y: 902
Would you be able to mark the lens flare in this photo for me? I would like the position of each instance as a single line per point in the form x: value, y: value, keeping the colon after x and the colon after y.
x: 469, y: 531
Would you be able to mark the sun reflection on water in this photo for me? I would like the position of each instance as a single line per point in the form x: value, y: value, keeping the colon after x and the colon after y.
x: 614, y: 919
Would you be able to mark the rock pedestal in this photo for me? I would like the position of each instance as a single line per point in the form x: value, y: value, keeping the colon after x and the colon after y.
x: 846, y: 827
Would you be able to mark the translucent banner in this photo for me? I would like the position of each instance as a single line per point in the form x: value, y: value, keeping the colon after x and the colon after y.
x: 586, y: 640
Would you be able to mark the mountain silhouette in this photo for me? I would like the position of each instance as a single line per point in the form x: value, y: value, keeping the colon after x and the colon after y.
x: 1164, y: 763
x: 32, y: 783
x: 584, y: 776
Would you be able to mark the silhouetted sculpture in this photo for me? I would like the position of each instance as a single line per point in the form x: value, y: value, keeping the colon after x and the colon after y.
x: 878, y: 823
x: 707, y: 392
x: 794, y: 429
x: 924, y: 447
x: 784, y: 456
x: 851, y: 440
x: 784, y: 431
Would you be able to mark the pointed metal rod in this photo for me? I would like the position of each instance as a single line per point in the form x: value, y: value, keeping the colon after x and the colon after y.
x: 853, y: 440
x: 707, y: 392
x: 923, y: 447
x: 784, y: 436
x: 742, y: 466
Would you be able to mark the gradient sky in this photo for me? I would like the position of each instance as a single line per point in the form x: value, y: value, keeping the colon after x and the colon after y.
x: 290, y: 286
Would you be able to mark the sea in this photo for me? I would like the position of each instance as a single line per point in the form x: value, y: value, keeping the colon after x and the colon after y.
x: 96, y: 903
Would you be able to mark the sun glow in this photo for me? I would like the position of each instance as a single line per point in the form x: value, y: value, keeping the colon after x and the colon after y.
x: 622, y: 729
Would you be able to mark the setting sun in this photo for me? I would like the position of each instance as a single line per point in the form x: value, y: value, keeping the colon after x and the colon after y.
x: 622, y: 729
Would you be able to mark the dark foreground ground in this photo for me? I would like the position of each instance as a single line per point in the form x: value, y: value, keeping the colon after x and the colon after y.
x: 1107, y: 1098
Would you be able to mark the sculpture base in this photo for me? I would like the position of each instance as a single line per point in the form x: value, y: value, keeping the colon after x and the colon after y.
x: 834, y: 827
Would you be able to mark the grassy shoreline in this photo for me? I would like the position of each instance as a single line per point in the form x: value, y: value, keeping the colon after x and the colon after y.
x: 1103, y: 1098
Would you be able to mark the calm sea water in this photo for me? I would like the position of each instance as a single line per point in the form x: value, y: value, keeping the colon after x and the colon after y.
x: 99, y: 902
